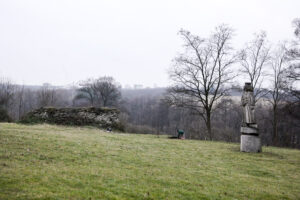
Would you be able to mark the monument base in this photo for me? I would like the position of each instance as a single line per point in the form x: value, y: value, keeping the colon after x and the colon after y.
x: 250, y: 143
x: 250, y: 129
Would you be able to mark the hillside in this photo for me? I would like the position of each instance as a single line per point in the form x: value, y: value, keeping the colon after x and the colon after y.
x: 57, y: 162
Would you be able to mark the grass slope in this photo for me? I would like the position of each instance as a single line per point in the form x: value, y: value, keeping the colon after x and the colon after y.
x: 56, y: 162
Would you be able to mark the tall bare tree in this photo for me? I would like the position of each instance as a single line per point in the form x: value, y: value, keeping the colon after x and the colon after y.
x: 278, y: 89
x: 293, y: 73
x: 200, y: 73
x: 254, y: 58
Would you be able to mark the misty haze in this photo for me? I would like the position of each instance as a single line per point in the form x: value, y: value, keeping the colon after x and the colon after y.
x: 149, y: 99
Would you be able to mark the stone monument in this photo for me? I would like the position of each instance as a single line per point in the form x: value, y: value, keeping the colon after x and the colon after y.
x: 250, y: 140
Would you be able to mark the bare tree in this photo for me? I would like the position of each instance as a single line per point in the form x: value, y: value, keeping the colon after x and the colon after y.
x: 86, y: 92
x: 26, y: 100
x: 46, y: 96
x: 201, y: 72
x: 104, y: 91
x: 20, y: 101
x: 108, y: 90
x: 7, y: 91
x: 254, y: 58
x: 293, y: 72
x: 292, y: 106
x: 279, y: 86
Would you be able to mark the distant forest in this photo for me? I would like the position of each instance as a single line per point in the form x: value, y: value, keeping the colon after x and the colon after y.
x: 145, y: 111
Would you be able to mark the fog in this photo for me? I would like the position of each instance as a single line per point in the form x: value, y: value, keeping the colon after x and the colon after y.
x: 62, y: 42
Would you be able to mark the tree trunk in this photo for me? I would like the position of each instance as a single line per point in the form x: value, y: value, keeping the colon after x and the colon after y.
x: 208, y: 125
x: 275, y: 128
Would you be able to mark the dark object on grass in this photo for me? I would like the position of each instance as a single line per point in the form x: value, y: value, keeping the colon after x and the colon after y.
x: 90, y: 116
x: 180, y: 134
x: 4, y: 117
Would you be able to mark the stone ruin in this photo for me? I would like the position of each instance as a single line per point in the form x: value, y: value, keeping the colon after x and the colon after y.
x: 90, y: 116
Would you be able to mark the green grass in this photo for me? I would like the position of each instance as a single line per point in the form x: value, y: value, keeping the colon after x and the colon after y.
x: 57, y: 162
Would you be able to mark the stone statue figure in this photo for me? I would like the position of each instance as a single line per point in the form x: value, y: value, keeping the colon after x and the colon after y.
x: 250, y: 140
x: 248, y: 104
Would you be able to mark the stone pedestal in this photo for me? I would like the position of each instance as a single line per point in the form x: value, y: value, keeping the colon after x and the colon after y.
x: 250, y: 143
x: 250, y: 129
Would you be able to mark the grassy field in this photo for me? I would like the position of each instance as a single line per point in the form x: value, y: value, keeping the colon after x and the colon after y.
x: 57, y: 162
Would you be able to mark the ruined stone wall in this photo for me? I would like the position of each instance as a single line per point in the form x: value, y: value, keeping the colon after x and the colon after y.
x: 90, y: 116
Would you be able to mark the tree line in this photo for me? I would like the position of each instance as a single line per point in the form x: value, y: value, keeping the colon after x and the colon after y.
x: 204, y: 98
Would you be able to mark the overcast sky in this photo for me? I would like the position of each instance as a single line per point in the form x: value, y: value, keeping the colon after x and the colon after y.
x: 64, y: 41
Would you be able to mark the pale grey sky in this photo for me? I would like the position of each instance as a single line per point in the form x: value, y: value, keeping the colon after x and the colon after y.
x: 64, y: 41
